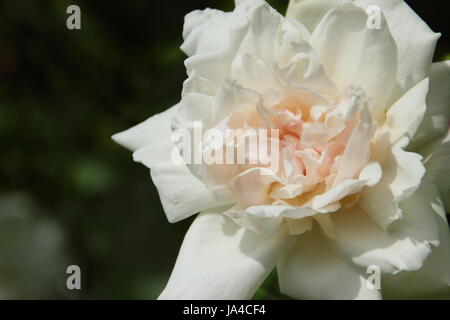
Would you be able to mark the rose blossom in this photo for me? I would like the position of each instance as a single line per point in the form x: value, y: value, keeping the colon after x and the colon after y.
x: 363, y: 175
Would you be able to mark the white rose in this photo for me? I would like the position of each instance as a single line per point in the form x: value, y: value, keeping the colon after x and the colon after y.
x: 363, y: 172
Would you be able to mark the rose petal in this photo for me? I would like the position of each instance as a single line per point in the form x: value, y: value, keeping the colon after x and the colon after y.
x: 436, y: 118
x: 438, y: 168
x: 312, y: 270
x: 402, y: 175
x: 405, y: 246
x: 405, y: 116
x: 219, y: 260
x: 346, y: 46
x: 311, y: 12
x: 208, y: 30
x: 414, y: 40
x: 152, y: 130
x: 251, y: 187
x: 434, y: 276
x: 358, y: 150
x: 182, y: 194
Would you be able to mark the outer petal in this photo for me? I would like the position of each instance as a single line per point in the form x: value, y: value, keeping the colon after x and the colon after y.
x: 406, y: 244
x: 402, y: 175
x: 152, y: 130
x: 219, y: 260
x: 346, y: 46
x: 275, y: 50
x: 434, y: 276
x: 405, y: 116
x: 310, y: 12
x: 437, y: 115
x: 215, y: 65
x: 312, y: 270
x: 414, y: 39
x: 213, y: 41
x: 152, y: 145
x: 182, y: 194
x: 207, y: 31
x: 437, y: 164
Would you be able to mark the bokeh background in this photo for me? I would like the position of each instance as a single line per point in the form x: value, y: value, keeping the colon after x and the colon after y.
x: 68, y: 194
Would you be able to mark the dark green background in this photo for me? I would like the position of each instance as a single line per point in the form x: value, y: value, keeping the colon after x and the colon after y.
x: 68, y: 194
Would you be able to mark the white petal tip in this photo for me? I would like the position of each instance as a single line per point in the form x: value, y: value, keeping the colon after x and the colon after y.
x: 122, y: 139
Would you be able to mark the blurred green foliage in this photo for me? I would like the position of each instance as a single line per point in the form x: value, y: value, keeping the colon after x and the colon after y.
x: 62, y: 95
